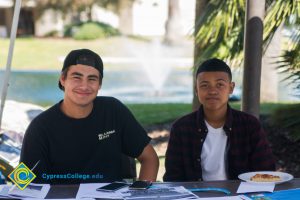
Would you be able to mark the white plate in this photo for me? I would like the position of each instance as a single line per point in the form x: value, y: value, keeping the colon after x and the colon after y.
x: 283, y: 176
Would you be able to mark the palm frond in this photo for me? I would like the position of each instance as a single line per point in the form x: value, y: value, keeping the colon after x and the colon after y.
x: 219, y: 32
x: 279, y: 12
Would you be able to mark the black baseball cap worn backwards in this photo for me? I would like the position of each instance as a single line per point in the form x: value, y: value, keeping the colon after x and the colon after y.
x: 214, y: 65
x: 83, y: 57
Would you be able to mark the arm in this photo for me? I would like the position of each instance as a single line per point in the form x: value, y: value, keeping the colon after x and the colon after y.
x: 261, y: 153
x: 173, y: 161
x: 149, y: 164
x: 34, y: 150
x: 135, y: 143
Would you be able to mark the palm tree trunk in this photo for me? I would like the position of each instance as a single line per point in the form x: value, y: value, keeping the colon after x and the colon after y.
x: 89, y: 10
x: 125, y: 16
x: 200, y: 6
x: 255, y: 10
x: 173, y: 26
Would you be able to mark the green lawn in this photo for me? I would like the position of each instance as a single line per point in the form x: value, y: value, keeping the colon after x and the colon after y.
x: 149, y: 114
x: 45, y: 53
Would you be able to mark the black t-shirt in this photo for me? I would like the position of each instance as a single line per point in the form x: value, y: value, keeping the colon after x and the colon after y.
x: 82, y: 150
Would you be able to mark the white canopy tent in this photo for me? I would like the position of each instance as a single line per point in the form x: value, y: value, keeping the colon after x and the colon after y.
x: 13, y: 34
x: 6, y: 3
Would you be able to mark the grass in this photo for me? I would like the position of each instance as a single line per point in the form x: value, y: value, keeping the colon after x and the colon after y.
x: 47, y: 53
x: 150, y: 114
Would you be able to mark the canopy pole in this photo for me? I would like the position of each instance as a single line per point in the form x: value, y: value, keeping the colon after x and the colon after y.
x: 13, y: 34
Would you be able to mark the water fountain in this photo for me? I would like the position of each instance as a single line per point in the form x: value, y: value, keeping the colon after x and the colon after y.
x: 154, y: 61
x: 150, y: 73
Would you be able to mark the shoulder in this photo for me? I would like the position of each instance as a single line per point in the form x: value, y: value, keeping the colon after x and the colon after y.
x: 244, y: 122
x: 110, y: 105
x: 105, y: 100
x: 188, y: 120
x: 47, y: 114
x: 41, y: 123
x: 241, y: 116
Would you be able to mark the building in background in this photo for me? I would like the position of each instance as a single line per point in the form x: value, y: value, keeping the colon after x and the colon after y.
x: 148, y: 18
x: 26, y: 19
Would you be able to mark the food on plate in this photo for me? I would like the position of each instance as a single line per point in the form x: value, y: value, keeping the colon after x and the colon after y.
x: 265, y: 178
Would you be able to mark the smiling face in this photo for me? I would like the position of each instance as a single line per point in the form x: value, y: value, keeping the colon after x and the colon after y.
x: 81, y: 84
x: 213, y: 90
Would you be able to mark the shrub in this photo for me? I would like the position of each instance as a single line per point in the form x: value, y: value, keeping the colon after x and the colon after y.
x: 288, y: 118
x: 53, y: 33
x: 90, y: 31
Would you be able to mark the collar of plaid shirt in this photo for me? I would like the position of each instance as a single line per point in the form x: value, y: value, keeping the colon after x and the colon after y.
x: 202, y: 126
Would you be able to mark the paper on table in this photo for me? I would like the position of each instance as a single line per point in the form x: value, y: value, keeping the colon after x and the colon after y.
x: 31, y: 191
x: 4, y: 191
x: 178, y: 192
x: 222, y: 198
x: 88, y: 190
x: 246, y: 187
x: 56, y: 199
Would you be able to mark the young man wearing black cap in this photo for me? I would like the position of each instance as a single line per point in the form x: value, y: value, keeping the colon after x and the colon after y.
x: 82, y: 138
x: 216, y: 142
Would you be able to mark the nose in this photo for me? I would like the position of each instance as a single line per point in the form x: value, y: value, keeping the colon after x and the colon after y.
x: 212, y: 90
x: 84, y: 84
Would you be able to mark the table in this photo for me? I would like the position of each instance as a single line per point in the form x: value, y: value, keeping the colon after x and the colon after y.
x: 70, y: 191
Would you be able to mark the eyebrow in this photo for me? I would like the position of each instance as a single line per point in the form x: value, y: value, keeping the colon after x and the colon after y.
x: 220, y: 79
x: 80, y: 74
x: 93, y: 76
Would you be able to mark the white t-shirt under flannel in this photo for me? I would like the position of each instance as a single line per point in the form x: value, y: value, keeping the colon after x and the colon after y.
x: 213, y: 158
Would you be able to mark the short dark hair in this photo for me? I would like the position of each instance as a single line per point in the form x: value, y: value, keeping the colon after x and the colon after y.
x: 214, y: 65
x: 84, y: 57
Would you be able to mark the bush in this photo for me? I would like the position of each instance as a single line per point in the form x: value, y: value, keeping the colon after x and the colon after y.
x: 90, y: 31
x: 53, y: 33
x: 288, y: 118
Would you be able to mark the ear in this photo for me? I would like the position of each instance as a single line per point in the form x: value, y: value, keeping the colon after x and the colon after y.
x: 195, y: 89
x: 62, y: 80
x: 232, y: 85
x: 100, y: 83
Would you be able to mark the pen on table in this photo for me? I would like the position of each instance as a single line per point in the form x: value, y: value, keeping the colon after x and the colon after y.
x: 35, y: 165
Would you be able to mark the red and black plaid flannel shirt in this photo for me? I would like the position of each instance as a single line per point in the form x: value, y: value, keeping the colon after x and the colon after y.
x: 247, y: 146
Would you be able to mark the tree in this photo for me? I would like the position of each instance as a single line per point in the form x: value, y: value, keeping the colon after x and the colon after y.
x: 173, y: 26
x: 287, y: 13
x: 224, y: 21
x: 125, y: 16
x: 123, y: 8
x: 73, y: 7
x: 255, y: 10
x: 198, y: 50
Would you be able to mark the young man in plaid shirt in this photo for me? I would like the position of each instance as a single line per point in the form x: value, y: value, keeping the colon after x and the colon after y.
x: 216, y: 142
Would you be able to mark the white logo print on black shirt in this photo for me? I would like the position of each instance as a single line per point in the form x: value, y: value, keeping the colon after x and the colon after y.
x: 105, y: 135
